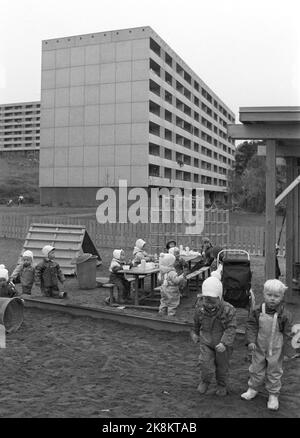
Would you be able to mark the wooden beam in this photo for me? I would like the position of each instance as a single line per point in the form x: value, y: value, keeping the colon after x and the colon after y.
x: 264, y: 131
x: 287, y: 190
x: 289, y: 253
x: 284, y: 151
x: 270, y: 209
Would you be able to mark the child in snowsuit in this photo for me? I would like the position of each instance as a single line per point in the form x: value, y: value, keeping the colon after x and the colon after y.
x: 24, y: 273
x: 117, y: 277
x: 170, y: 294
x: 48, y: 273
x: 214, y: 329
x: 181, y: 267
x: 7, y: 289
x: 140, y: 254
x: 268, y: 335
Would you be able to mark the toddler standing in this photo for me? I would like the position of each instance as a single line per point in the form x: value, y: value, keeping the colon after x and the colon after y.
x: 214, y: 329
x: 170, y: 294
x: 48, y: 273
x: 24, y: 272
x: 269, y: 330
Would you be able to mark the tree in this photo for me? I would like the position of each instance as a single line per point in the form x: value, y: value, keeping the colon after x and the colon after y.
x: 247, y: 179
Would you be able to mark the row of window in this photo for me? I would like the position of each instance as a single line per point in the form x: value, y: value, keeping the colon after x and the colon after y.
x: 154, y: 108
x: 185, y: 176
x: 168, y: 135
x: 20, y: 145
x: 168, y: 97
x: 19, y: 107
x: 21, y: 132
x: 20, y: 120
x: 182, y: 159
x: 155, y: 47
x: 11, y: 140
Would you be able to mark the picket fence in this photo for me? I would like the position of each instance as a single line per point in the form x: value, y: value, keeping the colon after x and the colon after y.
x: 124, y: 236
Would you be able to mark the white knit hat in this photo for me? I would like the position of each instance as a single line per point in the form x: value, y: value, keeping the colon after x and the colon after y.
x: 166, y: 260
x: 27, y: 253
x: 3, y: 272
x: 212, y: 287
x: 47, y: 249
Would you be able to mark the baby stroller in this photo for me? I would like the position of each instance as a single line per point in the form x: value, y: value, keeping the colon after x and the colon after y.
x: 236, y: 278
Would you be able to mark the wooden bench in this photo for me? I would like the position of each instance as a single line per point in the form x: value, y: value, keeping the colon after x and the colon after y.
x: 104, y: 282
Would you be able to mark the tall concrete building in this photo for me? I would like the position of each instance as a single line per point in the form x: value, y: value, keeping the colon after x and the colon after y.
x: 20, y: 126
x: 123, y: 105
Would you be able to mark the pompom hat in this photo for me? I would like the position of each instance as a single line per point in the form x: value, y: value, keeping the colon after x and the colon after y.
x: 212, y: 287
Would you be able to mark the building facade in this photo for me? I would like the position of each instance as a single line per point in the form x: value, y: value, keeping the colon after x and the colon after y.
x: 20, y: 126
x: 123, y: 105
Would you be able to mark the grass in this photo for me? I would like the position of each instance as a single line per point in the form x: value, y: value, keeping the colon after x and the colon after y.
x: 19, y: 175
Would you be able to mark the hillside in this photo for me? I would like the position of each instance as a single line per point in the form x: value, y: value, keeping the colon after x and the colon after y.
x: 19, y: 175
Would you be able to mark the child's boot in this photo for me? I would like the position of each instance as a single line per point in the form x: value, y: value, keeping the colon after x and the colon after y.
x: 273, y: 403
x: 249, y: 394
x: 202, y: 387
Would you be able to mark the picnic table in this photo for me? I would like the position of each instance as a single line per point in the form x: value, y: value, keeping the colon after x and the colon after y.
x: 191, y: 258
x: 137, y: 273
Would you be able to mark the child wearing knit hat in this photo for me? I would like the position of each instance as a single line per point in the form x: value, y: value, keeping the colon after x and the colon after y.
x: 268, y: 333
x: 140, y: 254
x: 118, y: 278
x: 214, y: 329
x: 24, y: 272
x: 48, y: 274
x: 7, y: 289
x: 170, y: 293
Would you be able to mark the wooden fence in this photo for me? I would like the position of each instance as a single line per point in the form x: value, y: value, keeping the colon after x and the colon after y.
x: 124, y: 236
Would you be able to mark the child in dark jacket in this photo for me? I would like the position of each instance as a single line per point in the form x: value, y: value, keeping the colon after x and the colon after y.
x: 214, y: 329
x: 268, y: 335
x: 24, y: 273
x: 118, y: 278
x: 181, y: 267
x: 7, y: 289
x: 48, y: 274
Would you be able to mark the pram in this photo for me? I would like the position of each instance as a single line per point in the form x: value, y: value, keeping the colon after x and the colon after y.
x: 236, y: 278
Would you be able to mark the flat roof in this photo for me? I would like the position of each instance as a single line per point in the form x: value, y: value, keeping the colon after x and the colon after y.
x: 270, y: 114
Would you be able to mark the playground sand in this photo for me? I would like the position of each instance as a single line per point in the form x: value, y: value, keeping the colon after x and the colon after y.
x: 62, y: 366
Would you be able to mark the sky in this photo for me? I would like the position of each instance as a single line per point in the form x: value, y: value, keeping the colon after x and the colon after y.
x: 247, y: 52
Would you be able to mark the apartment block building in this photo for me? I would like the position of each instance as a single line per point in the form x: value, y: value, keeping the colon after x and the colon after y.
x: 123, y: 105
x: 20, y: 126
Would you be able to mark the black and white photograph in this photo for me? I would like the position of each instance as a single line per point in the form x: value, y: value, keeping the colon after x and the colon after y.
x: 149, y: 212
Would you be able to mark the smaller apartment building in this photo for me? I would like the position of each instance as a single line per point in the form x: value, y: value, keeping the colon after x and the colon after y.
x: 20, y: 126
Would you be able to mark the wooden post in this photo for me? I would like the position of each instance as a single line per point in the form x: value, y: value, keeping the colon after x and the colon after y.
x: 289, y: 232
x: 270, y: 209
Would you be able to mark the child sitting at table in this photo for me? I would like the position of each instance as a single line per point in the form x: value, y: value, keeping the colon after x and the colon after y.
x: 181, y: 267
x: 7, y: 288
x: 170, y: 294
x: 24, y: 272
x: 140, y: 254
x: 170, y: 244
x: 118, y: 278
